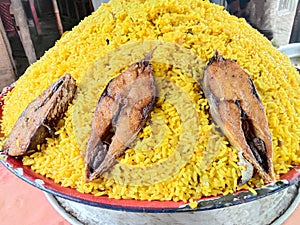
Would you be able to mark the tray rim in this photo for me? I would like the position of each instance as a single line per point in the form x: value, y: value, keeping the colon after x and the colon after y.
x: 48, y: 185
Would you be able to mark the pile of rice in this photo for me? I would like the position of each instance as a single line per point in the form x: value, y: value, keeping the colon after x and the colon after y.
x: 179, y: 154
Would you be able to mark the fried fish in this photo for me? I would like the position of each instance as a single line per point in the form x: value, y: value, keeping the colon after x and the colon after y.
x: 120, y: 114
x: 236, y: 108
x: 40, y: 117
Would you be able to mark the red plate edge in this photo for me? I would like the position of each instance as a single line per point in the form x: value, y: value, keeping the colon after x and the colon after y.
x: 54, y: 188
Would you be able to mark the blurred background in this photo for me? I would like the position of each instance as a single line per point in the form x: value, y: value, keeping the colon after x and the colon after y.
x: 30, y: 27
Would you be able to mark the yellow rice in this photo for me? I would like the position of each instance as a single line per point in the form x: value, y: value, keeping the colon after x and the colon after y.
x: 195, y: 25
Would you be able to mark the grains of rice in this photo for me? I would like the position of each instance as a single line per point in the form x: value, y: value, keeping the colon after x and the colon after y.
x: 93, y: 53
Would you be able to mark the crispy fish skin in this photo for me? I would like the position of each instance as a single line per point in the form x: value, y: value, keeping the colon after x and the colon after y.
x: 123, y: 107
x: 40, y: 117
x: 236, y: 107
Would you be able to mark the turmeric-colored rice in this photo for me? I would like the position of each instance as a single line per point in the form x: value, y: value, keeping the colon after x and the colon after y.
x: 179, y: 154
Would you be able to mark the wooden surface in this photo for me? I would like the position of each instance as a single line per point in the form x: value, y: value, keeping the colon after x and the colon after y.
x: 7, y: 71
x: 21, y: 21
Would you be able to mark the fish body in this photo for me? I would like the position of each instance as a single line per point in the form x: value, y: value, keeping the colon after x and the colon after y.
x: 40, y: 117
x: 120, y: 114
x: 236, y: 108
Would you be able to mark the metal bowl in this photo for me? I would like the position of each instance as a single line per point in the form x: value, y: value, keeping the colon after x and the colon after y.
x: 293, y: 52
x: 273, y: 209
x: 275, y: 202
x: 274, y: 206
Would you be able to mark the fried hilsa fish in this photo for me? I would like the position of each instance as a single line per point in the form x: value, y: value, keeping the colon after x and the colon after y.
x: 39, y: 119
x: 236, y: 108
x: 120, y: 114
